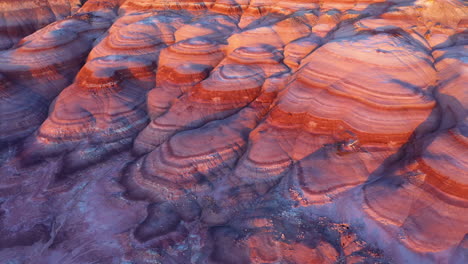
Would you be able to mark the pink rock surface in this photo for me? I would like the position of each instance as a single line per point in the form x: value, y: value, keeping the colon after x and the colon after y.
x: 21, y: 18
x: 233, y: 131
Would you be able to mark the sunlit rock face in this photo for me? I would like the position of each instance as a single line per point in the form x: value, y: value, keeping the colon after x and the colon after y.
x: 233, y: 131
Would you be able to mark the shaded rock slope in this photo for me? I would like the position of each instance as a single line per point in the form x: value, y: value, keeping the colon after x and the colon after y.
x: 233, y: 131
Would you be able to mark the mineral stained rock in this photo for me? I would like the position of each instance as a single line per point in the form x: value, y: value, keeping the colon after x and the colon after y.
x: 233, y: 131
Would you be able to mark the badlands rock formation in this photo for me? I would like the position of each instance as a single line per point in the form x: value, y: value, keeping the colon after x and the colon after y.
x: 233, y: 131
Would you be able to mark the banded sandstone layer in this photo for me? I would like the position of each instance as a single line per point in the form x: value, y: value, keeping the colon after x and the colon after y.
x: 233, y: 131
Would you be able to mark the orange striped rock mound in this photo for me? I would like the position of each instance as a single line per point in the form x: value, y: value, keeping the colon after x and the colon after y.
x: 40, y: 66
x: 186, y: 162
x: 104, y: 107
x: 309, y: 122
x: 427, y: 201
x: 21, y: 18
x: 227, y: 90
x: 182, y: 65
x: 233, y: 131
